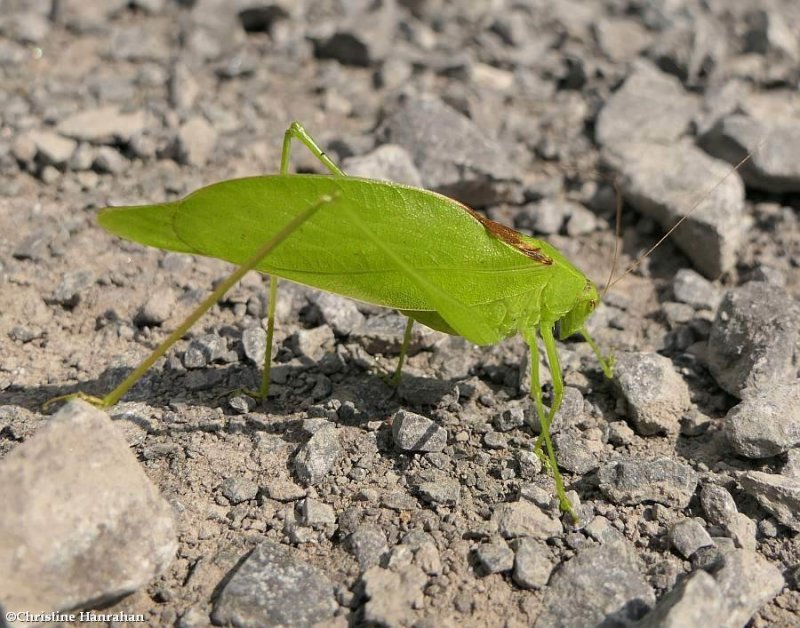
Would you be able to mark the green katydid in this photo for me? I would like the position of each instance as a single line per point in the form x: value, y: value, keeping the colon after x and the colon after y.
x: 360, y: 238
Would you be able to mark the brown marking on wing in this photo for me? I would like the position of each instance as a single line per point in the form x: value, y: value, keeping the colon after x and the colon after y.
x: 509, y: 236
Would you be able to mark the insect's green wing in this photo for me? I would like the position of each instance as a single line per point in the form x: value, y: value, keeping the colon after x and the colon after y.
x: 383, y: 243
x: 148, y: 224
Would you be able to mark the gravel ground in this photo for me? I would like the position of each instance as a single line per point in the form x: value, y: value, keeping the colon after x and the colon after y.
x: 344, y: 501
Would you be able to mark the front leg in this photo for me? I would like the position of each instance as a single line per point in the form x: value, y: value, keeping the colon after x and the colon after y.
x: 545, y: 419
x: 297, y: 132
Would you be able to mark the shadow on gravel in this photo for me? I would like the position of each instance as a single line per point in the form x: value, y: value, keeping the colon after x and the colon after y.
x: 211, y: 388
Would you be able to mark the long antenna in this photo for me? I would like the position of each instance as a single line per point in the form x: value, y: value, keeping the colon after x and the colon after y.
x: 617, y: 234
x: 702, y: 199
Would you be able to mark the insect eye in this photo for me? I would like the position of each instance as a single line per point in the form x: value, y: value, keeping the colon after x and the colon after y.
x: 592, y: 304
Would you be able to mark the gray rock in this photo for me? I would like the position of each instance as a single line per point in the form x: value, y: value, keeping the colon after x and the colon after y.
x: 428, y: 392
x: 202, y: 380
x: 82, y: 158
x: 12, y: 54
x: 274, y: 586
x: 392, y: 595
x: 384, y: 334
x: 695, y: 423
x: 316, y: 513
x: 311, y: 345
x: 752, y: 338
x: 204, y: 350
x: 183, y: 87
x: 791, y: 467
x: 20, y: 333
x: 774, y: 163
x: 529, y: 463
x: 777, y: 494
x: 768, y: 33
x: 649, y: 107
x: 495, y: 557
x: 694, y: 289
x: 339, y: 313
x: 389, y: 162
x: 620, y: 433
x: 688, y: 536
x: 601, y: 530
x: 427, y: 558
x: 215, y: 30
x: 523, y: 518
x: 766, y: 423
x: 581, y: 221
x: 109, y: 160
x: 137, y: 42
x: 688, y: 47
x: 451, y: 152
x: 656, y: 395
x: 36, y: 246
x: 535, y: 494
x: 718, y: 505
x: 414, y: 432
x: 52, y: 148
x: 237, y: 490
x: 495, y: 440
x: 532, y: 564
x: 696, y: 601
x: 621, y: 39
x: 393, y: 73
x: 316, y: 458
x: 747, y: 581
x: 24, y: 149
x: 105, y: 125
x: 72, y: 284
x: 49, y: 175
x: 576, y: 454
x: 368, y: 544
x: 741, y: 529
x: 444, y: 491
x: 153, y: 7
x: 157, y: 309
x: 510, y: 418
x: 113, y: 533
x: 768, y: 274
x: 678, y: 313
x: 660, y: 181
x: 709, y: 558
x: 254, y: 343
x: 636, y: 481
x: 285, y: 490
x: 26, y: 28
x: 351, y: 42
x: 195, y: 142
x: 261, y: 18
x: 85, y: 16
x: 602, y: 585
x: 241, y: 403
x: 547, y: 216
x: 569, y: 413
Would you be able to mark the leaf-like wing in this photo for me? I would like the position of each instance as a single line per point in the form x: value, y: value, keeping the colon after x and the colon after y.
x: 148, y: 224
x: 413, y: 250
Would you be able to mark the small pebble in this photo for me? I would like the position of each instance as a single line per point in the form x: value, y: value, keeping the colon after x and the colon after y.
x: 237, y: 490
x: 316, y: 458
x: 664, y: 481
x: 495, y: 557
x: 688, y: 536
x: 414, y: 432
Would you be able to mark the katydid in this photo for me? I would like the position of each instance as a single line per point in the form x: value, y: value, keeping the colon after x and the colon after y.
x: 428, y: 256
